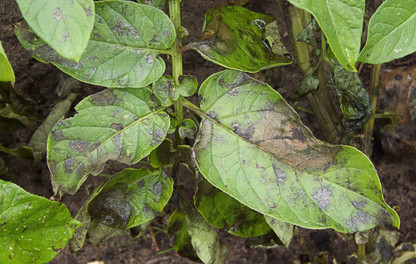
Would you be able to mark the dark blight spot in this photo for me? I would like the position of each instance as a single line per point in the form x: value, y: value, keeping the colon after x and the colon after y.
x: 88, y: 11
x: 280, y: 175
x: 79, y: 146
x: 68, y: 165
x: 158, y: 188
x: 359, y: 221
x: 105, y: 97
x: 117, y: 126
x: 57, y: 14
x: 322, y: 197
x: 233, y: 92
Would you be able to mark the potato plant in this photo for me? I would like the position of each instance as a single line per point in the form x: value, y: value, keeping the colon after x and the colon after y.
x: 260, y: 171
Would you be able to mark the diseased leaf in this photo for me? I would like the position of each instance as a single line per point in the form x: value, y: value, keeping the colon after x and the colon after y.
x: 342, y: 23
x: 308, y: 85
x: 188, y: 85
x: 64, y: 25
x: 284, y: 231
x: 98, y: 232
x: 39, y: 139
x: 224, y: 212
x: 187, y: 129
x: 391, y: 32
x: 32, y: 228
x: 121, y: 125
x: 307, y: 35
x: 162, y: 155
x: 156, y: 3
x: 355, y: 102
x: 267, y: 241
x: 123, y: 48
x: 130, y: 198
x: 253, y: 146
x: 6, y: 70
x: 237, y: 38
x: 165, y: 90
x: 78, y: 239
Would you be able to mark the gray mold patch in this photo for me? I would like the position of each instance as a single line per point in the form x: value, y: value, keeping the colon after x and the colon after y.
x: 360, y: 221
x: 68, y: 164
x: 103, y: 98
x: 158, y: 188
x: 79, y: 146
x: 57, y: 14
x: 149, y: 58
x: 280, y: 175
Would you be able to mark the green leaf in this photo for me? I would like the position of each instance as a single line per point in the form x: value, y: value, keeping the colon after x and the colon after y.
x: 39, y: 139
x: 121, y: 125
x: 391, y: 32
x: 188, y: 85
x: 21, y: 152
x: 162, y: 155
x: 123, y: 48
x: 187, y: 227
x: 32, y: 228
x: 165, y: 90
x: 237, y: 38
x: 6, y: 70
x: 253, y: 146
x: 342, y: 23
x: 156, y: 3
x: 65, y: 25
x: 284, y: 231
x: 131, y: 197
x: 355, y: 102
x: 187, y: 129
x: 224, y: 212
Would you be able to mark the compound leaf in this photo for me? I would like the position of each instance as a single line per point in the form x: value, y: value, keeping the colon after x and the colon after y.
x: 237, y: 38
x: 64, y: 25
x: 6, y: 70
x: 121, y: 125
x: 33, y: 229
x: 342, y: 23
x: 224, y: 212
x: 391, y: 32
x: 253, y: 146
x: 123, y: 48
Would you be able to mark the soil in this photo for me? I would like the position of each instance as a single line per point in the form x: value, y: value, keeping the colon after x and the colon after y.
x: 38, y: 81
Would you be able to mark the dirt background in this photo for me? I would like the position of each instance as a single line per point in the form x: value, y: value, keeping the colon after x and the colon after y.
x: 38, y: 81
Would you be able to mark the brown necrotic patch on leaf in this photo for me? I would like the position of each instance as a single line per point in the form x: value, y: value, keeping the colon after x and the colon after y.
x: 117, y: 126
x: 68, y: 164
x: 79, y: 146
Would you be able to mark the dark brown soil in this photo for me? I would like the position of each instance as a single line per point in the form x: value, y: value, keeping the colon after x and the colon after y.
x: 38, y: 82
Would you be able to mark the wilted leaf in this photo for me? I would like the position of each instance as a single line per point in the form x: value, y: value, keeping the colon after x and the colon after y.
x: 391, y: 32
x: 380, y: 248
x: 6, y: 70
x: 64, y: 25
x: 253, y: 146
x: 187, y: 227
x: 308, y: 85
x: 237, y: 38
x: 123, y: 48
x: 355, y: 102
x: 267, y: 241
x: 224, y: 212
x: 40, y: 137
x: 156, y: 3
x: 131, y: 198
x: 32, y: 228
x: 284, y: 231
x: 98, y: 232
x: 307, y: 35
x: 342, y: 23
x: 165, y: 90
x: 121, y: 125
x: 162, y: 155
x: 187, y: 129
x: 78, y: 239
x: 188, y: 85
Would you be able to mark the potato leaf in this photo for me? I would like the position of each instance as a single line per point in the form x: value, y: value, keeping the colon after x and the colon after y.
x: 121, y: 125
x: 123, y: 48
x: 391, y: 32
x: 284, y: 231
x: 342, y: 23
x: 6, y: 70
x: 65, y: 25
x: 156, y: 3
x: 237, y: 38
x: 224, y: 212
x: 32, y: 228
x: 253, y: 146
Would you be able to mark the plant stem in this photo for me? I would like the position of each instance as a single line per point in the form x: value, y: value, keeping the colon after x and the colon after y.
x: 360, y: 253
x: 319, y: 100
x: 368, y: 128
x: 175, y: 16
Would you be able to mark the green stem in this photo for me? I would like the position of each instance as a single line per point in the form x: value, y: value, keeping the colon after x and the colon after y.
x: 360, y: 253
x: 368, y: 128
x: 177, y: 70
x: 319, y: 100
